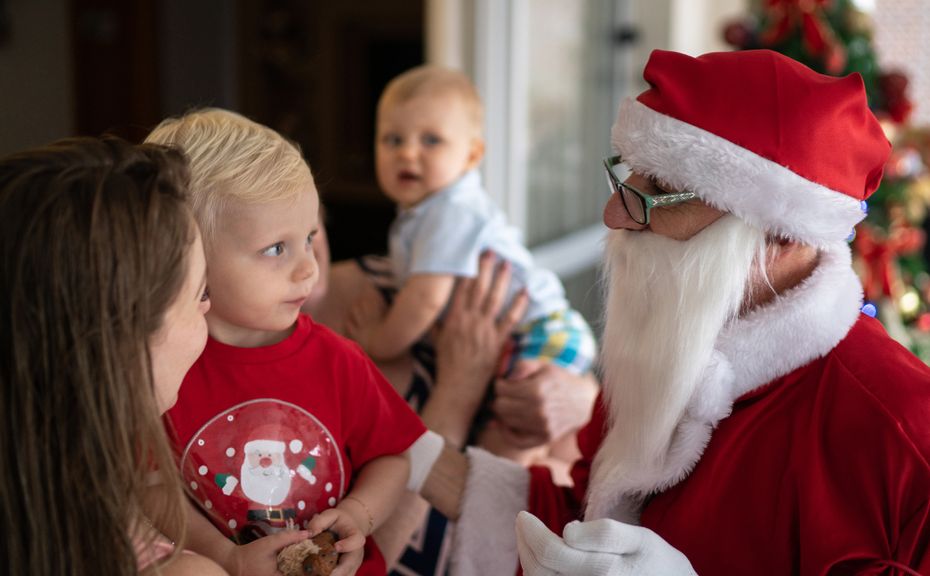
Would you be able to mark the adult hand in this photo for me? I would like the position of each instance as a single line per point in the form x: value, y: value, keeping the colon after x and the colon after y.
x: 470, y: 341
x: 468, y: 349
x: 597, y: 548
x: 540, y: 403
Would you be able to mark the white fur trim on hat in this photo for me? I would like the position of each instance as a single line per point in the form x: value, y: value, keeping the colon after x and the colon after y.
x: 272, y: 446
x: 729, y: 177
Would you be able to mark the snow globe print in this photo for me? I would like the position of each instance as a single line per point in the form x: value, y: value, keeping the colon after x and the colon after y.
x: 263, y: 466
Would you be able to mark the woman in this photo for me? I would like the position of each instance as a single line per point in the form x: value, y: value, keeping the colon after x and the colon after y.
x: 102, y: 300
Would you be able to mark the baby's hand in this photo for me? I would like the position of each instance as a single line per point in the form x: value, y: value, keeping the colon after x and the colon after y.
x: 259, y: 558
x: 351, y: 533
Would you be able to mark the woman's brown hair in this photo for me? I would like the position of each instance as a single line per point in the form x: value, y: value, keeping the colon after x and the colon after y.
x: 94, y: 238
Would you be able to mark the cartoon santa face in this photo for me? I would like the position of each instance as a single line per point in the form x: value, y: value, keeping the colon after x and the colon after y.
x: 265, y: 476
x: 263, y: 462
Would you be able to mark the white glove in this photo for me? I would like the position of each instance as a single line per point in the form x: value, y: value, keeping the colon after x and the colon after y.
x: 597, y: 548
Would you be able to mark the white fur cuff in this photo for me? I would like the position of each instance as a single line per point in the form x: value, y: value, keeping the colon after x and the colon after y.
x: 495, y: 491
x: 423, y: 454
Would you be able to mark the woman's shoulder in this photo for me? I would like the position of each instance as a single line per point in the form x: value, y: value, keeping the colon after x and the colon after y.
x: 189, y: 564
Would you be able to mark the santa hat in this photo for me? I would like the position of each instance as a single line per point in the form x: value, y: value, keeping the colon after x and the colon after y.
x: 754, y: 133
x: 265, y: 446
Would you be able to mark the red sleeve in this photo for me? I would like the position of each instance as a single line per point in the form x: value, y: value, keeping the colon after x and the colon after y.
x: 555, y: 505
x: 378, y: 421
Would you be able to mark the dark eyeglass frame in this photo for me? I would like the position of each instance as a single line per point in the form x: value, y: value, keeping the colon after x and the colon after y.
x: 631, y: 194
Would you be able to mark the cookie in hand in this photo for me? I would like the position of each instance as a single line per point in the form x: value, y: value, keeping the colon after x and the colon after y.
x: 314, y: 557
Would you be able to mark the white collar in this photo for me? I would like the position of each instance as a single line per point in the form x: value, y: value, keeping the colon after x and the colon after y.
x: 799, y: 326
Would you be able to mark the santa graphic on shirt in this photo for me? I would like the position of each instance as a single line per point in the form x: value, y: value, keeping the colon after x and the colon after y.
x: 289, y: 468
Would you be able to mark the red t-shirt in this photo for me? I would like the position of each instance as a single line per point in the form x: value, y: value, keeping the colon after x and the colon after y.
x: 273, y: 435
x: 825, y: 470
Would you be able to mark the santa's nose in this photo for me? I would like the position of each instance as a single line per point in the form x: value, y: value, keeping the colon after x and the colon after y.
x: 616, y: 216
x: 264, y: 461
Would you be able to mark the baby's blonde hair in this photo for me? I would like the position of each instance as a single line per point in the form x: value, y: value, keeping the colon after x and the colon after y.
x: 233, y: 158
x: 435, y: 81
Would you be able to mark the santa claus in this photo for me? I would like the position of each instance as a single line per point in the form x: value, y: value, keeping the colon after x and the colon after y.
x: 752, y: 421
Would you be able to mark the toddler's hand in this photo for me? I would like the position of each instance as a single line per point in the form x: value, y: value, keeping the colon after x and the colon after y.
x: 259, y: 558
x: 351, y: 536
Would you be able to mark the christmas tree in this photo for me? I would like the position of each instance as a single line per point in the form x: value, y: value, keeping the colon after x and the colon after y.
x: 834, y: 37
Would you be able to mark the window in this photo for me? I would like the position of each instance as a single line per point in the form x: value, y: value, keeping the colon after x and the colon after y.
x: 551, y: 75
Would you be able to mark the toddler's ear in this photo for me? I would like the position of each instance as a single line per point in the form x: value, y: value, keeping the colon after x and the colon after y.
x: 476, y: 153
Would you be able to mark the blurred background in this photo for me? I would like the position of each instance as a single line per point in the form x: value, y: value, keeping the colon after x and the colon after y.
x: 551, y: 72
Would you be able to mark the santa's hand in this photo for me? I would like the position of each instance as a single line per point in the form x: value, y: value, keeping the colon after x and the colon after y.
x: 596, y: 548
x: 351, y: 543
x: 260, y: 557
x: 540, y: 403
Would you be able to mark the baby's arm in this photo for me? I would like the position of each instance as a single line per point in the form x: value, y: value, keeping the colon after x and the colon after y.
x: 377, y: 488
x: 416, y: 308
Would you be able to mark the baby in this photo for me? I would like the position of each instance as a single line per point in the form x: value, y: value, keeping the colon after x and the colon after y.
x: 280, y: 422
x: 428, y: 147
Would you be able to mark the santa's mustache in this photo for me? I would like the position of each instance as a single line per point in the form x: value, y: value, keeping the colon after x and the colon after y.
x: 275, y: 470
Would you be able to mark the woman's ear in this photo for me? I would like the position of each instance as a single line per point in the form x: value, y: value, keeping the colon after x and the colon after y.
x: 475, y: 152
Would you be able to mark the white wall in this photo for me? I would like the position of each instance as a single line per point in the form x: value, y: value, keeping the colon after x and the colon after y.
x: 35, y: 75
x: 697, y: 25
x: 901, y: 44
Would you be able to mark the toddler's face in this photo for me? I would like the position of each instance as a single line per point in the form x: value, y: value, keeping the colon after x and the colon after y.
x: 261, y: 268
x: 423, y: 145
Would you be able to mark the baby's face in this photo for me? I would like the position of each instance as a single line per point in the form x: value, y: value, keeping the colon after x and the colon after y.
x: 261, y: 268
x: 424, y: 144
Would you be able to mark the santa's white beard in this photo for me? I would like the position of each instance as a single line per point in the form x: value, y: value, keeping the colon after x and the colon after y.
x: 668, y: 300
x: 269, y: 485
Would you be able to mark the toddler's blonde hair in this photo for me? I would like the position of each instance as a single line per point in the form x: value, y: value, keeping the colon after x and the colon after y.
x: 435, y: 81
x: 233, y: 158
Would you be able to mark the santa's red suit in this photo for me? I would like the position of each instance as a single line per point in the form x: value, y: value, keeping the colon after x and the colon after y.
x: 805, y: 451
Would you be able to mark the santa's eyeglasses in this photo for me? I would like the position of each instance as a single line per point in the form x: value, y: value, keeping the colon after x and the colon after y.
x: 638, y: 204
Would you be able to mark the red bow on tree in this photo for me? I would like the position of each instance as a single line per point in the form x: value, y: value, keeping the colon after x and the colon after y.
x: 880, y: 253
x: 893, y: 87
x: 816, y: 34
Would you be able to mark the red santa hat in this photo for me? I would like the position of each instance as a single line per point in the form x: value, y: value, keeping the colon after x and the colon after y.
x: 265, y: 446
x: 759, y: 135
